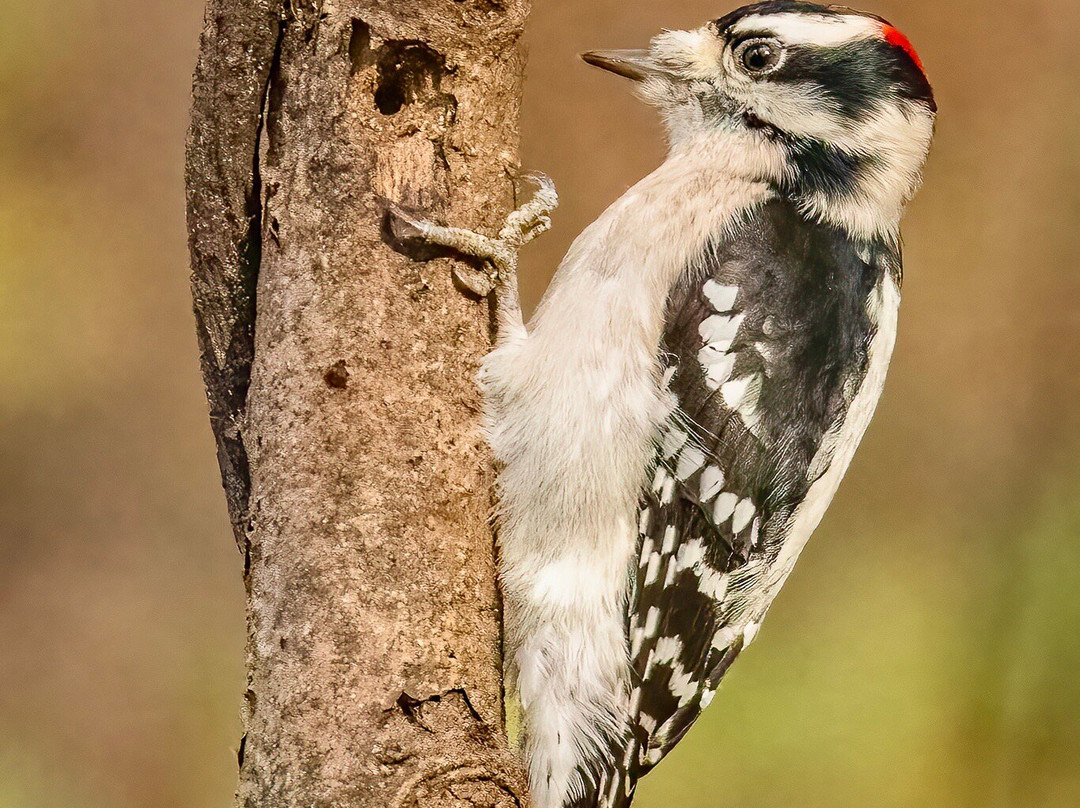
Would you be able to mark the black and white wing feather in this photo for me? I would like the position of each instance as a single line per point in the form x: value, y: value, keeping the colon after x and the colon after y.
x: 774, y: 351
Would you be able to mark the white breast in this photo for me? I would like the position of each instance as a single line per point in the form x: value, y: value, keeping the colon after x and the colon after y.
x: 572, y: 411
x: 578, y: 401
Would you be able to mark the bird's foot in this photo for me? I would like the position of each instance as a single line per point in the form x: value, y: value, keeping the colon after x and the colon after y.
x: 500, y: 253
x: 534, y: 217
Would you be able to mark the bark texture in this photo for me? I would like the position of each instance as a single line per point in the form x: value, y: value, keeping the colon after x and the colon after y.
x: 340, y: 377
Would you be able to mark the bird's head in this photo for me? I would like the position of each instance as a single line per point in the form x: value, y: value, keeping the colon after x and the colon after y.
x: 834, y: 102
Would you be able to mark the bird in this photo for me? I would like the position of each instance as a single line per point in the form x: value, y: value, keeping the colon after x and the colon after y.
x: 675, y: 418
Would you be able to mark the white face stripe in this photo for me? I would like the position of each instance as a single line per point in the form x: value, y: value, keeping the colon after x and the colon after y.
x: 810, y: 29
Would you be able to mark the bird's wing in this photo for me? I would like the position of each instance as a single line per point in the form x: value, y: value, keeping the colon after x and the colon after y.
x: 768, y: 343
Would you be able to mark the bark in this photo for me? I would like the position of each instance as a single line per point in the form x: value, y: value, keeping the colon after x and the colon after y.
x: 340, y: 377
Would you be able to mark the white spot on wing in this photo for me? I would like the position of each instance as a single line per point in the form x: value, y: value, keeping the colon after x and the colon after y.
x: 652, y: 621
x: 724, y: 507
x: 720, y: 297
x: 734, y: 391
x: 683, y: 685
x: 673, y: 441
x: 646, y: 550
x: 653, y: 570
x: 691, y: 459
x: 742, y: 396
x: 690, y: 554
x: 712, y: 480
x: 767, y: 351
x: 668, y: 490
x: 717, y: 367
x: 658, y: 479
x: 744, y: 511
x: 667, y: 648
x: 713, y: 584
x: 649, y: 665
x: 719, y: 330
x: 669, y: 540
x: 638, y: 639
x: 723, y: 639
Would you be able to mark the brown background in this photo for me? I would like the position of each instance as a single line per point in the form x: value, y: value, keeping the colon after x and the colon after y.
x: 926, y: 651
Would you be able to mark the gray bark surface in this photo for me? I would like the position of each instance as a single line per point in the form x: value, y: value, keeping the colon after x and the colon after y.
x: 340, y: 377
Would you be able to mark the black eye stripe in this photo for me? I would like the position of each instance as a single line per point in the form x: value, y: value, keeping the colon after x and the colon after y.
x: 856, y: 76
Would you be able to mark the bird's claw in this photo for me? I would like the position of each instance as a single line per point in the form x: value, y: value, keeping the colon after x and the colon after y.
x: 521, y: 227
x: 405, y: 227
x: 476, y: 281
x: 534, y: 217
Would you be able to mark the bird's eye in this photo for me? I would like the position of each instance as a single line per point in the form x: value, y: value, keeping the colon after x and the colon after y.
x: 759, y: 56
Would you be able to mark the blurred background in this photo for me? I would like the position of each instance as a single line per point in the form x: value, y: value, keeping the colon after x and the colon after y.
x: 926, y: 652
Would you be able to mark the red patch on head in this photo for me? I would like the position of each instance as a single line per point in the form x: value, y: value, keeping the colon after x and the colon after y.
x: 894, y: 37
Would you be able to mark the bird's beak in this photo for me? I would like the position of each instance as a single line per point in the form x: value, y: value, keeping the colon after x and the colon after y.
x: 633, y: 64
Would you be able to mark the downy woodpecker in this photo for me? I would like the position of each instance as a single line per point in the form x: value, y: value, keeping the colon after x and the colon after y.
x: 676, y: 417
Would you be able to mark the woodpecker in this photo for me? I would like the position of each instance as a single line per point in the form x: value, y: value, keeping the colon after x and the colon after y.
x: 677, y: 415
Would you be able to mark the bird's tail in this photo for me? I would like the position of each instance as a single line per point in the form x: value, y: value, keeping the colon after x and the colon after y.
x: 568, y: 679
x: 613, y: 777
x: 614, y: 790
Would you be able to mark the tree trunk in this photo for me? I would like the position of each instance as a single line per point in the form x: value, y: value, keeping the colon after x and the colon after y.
x: 340, y: 377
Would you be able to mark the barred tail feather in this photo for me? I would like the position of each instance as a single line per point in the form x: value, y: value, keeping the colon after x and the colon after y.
x: 614, y: 789
x: 613, y: 776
